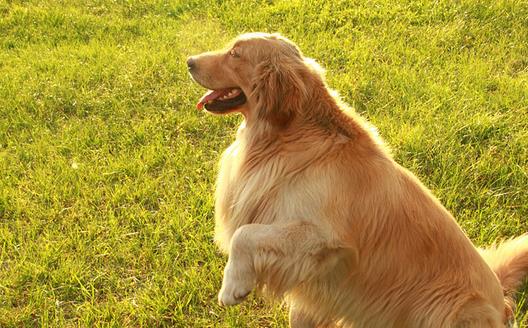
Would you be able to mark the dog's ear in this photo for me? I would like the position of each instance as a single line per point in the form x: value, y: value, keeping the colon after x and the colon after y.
x: 279, y: 90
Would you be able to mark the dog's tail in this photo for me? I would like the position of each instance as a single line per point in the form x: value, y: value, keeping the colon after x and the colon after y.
x: 509, y: 261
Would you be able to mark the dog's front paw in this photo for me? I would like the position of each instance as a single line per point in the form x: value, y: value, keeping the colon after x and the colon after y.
x: 236, y: 286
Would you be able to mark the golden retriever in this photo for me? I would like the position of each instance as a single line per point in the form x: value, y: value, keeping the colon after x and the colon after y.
x: 311, y: 206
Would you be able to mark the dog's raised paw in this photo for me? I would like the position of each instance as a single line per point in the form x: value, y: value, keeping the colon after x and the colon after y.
x: 228, y: 298
x: 235, y: 288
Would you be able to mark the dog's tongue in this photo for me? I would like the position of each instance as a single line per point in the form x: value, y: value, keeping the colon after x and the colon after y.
x: 208, y: 96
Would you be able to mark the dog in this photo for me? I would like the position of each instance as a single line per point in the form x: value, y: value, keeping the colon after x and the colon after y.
x: 311, y: 207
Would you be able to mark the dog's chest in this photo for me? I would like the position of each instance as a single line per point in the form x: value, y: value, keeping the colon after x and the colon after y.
x: 245, y: 195
x: 264, y: 191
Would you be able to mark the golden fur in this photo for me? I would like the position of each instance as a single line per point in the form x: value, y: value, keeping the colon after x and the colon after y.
x: 310, y: 205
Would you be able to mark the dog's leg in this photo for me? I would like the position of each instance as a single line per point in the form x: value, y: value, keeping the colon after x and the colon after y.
x: 277, y: 257
x: 476, y: 313
x: 299, y: 319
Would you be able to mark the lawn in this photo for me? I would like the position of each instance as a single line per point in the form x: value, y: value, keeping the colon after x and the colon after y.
x: 107, y: 169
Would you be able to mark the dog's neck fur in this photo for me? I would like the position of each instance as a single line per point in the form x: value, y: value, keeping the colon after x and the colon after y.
x: 322, y: 111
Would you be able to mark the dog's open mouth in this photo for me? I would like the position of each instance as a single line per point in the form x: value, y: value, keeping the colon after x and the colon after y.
x: 222, y: 100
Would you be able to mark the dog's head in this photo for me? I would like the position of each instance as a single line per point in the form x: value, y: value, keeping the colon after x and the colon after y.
x: 261, y: 75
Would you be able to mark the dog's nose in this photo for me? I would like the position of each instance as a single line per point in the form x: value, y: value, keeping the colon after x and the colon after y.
x: 191, y: 63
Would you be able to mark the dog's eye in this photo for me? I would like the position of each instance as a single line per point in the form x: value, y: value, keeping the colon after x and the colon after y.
x: 233, y: 53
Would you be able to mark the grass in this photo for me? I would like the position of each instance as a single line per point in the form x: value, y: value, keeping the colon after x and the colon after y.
x: 106, y: 206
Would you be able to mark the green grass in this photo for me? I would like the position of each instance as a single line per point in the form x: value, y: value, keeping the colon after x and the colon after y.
x: 107, y: 170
